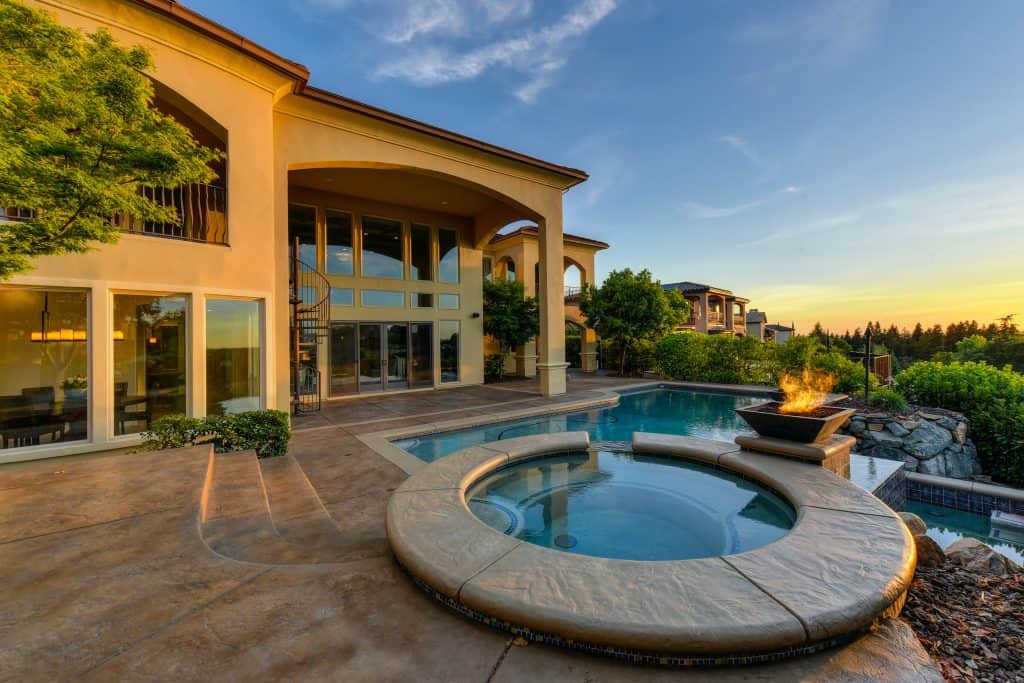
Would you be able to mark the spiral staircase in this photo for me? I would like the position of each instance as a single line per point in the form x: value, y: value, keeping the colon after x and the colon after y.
x: 309, y: 294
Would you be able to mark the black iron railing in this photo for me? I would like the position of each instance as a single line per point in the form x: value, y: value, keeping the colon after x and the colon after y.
x: 310, y: 299
x: 202, y: 213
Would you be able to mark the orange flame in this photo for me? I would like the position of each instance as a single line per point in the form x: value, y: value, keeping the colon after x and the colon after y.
x: 806, y: 391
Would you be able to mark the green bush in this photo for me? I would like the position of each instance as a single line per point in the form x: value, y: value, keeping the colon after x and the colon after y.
x: 265, y: 431
x: 890, y: 399
x: 990, y: 397
x: 722, y: 359
x: 640, y: 356
x: 494, y: 367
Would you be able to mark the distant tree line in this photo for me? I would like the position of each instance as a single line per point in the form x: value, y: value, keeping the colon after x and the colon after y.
x: 998, y: 343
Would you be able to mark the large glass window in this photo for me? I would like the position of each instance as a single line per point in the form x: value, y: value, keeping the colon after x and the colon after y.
x: 383, y: 297
x: 339, y: 254
x: 344, y: 359
x: 448, y: 301
x: 448, y: 332
x: 232, y: 356
x: 447, y: 255
x: 488, y: 268
x: 302, y: 225
x: 421, y: 353
x: 342, y: 296
x: 150, y: 356
x: 419, y: 259
x: 382, y: 248
x: 44, y: 366
x: 421, y: 300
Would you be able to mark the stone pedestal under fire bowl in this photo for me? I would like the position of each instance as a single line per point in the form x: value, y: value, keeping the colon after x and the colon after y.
x: 821, y: 423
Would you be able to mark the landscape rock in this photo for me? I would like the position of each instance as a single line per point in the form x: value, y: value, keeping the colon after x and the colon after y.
x: 927, y: 441
x: 929, y: 553
x: 960, y: 433
x: 914, y: 523
x: 975, y: 556
x: 897, y: 429
x: 947, y: 423
x: 857, y: 427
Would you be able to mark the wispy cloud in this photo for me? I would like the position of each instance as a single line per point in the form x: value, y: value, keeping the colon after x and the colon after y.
x: 539, y: 52
x: 705, y: 212
x: 825, y: 33
x: 745, y: 149
x: 813, y: 227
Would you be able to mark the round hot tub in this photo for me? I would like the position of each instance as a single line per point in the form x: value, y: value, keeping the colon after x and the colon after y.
x: 628, y: 506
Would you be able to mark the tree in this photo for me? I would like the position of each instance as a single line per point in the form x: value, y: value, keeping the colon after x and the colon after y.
x: 510, y: 317
x: 629, y: 308
x: 78, y: 137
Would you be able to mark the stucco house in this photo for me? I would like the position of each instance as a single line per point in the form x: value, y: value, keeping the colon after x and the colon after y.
x: 340, y: 252
x: 713, y: 310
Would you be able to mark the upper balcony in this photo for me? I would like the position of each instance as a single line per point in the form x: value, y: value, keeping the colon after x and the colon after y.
x: 201, y: 209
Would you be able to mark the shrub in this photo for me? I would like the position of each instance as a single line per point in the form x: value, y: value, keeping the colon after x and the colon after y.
x: 265, y: 431
x: 494, y: 367
x: 890, y: 399
x: 991, y: 398
x: 640, y: 355
x: 723, y: 359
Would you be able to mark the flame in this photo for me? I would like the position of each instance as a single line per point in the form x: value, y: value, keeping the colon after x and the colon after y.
x: 806, y: 391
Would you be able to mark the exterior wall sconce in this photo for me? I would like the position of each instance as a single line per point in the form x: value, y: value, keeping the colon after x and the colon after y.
x: 475, y: 315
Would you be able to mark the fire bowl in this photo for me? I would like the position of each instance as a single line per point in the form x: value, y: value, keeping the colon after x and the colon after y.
x: 817, y: 425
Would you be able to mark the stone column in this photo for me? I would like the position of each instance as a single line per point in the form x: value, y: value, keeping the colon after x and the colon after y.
x: 551, y: 342
x: 702, y: 313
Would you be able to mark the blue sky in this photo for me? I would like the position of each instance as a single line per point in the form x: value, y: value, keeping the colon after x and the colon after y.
x: 833, y: 161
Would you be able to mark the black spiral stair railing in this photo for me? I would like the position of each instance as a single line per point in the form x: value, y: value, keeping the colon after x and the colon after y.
x: 310, y: 298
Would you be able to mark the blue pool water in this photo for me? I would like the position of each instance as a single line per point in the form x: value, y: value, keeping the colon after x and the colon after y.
x: 628, y: 506
x: 946, y: 525
x: 665, y: 411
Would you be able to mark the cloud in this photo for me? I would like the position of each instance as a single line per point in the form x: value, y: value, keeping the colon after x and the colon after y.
x: 815, y: 226
x: 706, y: 212
x: 825, y: 33
x: 744, y: 148
x: 539, y: 52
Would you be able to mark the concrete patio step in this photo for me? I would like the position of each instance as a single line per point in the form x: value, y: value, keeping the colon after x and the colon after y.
x: 235, y: 518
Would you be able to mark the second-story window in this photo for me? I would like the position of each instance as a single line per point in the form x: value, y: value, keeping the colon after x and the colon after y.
x: 302, y: 225
x: 447, y: 255
x: 338, y: 249
x: 419, y: 256
x: 382, y: 248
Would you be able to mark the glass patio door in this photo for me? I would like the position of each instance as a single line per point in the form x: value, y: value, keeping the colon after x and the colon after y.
x: 371, y: 362
x: 383, y: 356
x: 397, y: 356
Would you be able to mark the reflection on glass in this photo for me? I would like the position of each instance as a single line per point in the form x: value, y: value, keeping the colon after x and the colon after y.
x: 419, y: 259
x: 338, y: 250
x: 448, y: 301
x: 302, y: 224
x: 447, y: 255
x: 343, y: 296
x: 448, y: 331
x: 382, y: 248
x: 344, y: 356
x: 383, y: 297
x: 149, y: 365
x: 421, y: 300
x: 44, y: 366
x: 398, y: 356
x: 488, y: 269
x: 421, y: 352
x: 232, y: 356
x: 369, y: 358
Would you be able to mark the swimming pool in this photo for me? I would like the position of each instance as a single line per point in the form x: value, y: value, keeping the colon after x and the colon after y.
x: 946, y: 525
x: 630, y: 507
x: 662, y: 410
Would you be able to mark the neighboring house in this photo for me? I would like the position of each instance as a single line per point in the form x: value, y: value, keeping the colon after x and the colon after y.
x: 713, y: 310
x: 756, y: 323
x: 778, y: 333
x: 339, y: 252
x: 515, y: 255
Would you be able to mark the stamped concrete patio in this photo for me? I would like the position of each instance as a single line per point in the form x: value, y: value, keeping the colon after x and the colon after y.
x: 178, y: 565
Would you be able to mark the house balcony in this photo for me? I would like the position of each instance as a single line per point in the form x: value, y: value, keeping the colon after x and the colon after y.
x: 201, y: 209
x: 572, y: 294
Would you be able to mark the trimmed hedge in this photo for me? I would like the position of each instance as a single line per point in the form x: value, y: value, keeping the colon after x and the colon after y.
x: 265, y: 431
x: 990, y: 397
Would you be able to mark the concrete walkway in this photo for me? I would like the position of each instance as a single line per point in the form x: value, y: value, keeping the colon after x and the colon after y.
x: 107, y: 572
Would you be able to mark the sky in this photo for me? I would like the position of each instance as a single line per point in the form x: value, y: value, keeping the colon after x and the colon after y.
x: 831, y: 161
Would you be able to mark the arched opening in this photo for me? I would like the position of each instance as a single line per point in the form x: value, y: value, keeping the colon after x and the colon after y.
x: 506, y: 269
x: 573, y: 279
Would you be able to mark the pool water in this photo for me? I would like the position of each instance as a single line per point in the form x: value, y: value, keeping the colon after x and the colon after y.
x: 630, y: 506
x: 946, y: 525
x: 664, y: 411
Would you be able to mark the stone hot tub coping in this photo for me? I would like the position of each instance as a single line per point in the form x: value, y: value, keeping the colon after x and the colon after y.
x: 847, y: 562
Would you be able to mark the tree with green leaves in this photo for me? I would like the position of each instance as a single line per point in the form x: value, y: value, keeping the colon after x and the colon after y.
x: 510, y: 317
x: 629, y: 308
x: 79, y: 137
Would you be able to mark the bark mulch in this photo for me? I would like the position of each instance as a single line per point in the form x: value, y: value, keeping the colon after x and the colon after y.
x: 971, y: 624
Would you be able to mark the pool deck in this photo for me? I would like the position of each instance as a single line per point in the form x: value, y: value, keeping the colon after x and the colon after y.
x: 176, y: 566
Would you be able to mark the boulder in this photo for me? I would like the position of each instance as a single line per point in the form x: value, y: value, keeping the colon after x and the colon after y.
x: 897, y: 429
x: 927, y: 441
x: 857, y: 427
x: 960, y: 433
x: 929, y: 554
x: 947, y: 422
x: 914, y: 523
x: 975, y: 556
x: 881, y: 437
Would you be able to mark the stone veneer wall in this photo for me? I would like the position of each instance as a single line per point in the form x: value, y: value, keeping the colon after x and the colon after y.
x: 930, y: 441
